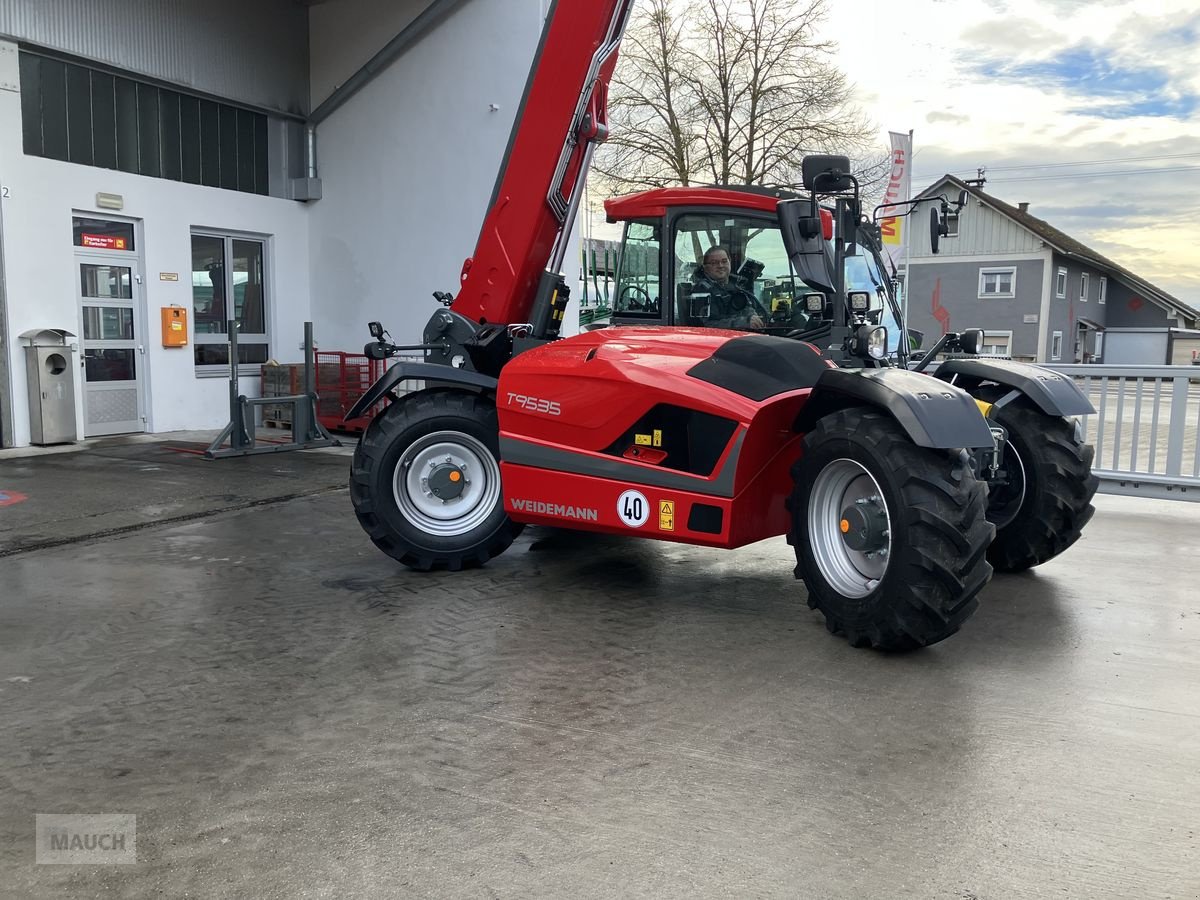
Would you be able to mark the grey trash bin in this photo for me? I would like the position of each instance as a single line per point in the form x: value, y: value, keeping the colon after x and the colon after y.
x: 50, y: 375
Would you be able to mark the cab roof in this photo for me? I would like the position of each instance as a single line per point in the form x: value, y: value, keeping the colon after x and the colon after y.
x: 655, y: 202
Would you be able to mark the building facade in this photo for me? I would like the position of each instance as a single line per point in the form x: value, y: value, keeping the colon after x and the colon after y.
x: 269, y: 163
x: 1039, y: 294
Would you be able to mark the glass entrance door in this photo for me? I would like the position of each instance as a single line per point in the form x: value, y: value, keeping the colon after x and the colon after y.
x: 112, y: 349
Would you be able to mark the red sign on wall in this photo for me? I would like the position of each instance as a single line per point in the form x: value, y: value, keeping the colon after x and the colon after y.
x: 103, y: 241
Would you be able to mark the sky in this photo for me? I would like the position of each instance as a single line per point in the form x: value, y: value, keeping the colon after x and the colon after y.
x: 1101, y: 96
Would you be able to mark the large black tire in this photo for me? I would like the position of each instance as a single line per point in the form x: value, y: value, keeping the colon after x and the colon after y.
x: 936, y: 532
x: 448, y: 434
x: 1042, y: 509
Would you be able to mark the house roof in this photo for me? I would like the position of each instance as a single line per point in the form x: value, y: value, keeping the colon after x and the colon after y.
x: 1067, y: 245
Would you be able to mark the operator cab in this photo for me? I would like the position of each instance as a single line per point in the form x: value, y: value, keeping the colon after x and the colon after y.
x: 660, y: 277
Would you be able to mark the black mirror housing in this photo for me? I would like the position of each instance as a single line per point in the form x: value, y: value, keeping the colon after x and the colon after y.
x: 826, y: 174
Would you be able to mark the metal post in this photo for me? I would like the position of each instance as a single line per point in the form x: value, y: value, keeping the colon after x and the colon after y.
x: 1178, y: 426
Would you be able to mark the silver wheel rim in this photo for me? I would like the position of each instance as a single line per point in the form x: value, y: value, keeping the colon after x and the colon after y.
x: 850, y: 572
x: 431, y: 514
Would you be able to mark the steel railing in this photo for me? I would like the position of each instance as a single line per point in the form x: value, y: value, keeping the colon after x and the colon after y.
x: 1145, y: 427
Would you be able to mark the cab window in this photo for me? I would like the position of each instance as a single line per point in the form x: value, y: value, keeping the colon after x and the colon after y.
x: 638, y: 282
x: 758, y: 290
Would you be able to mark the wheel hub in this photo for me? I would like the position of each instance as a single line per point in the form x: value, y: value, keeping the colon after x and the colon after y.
x: 864, y: 525
x: 447, y: 481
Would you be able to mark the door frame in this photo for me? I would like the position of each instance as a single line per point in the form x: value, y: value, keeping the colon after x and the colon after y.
x: 135, y: 262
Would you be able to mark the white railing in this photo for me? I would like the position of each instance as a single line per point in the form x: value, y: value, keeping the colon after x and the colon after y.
x: 1145, y: 427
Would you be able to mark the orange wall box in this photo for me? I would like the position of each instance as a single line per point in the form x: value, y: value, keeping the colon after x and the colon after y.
x: 174, y: 326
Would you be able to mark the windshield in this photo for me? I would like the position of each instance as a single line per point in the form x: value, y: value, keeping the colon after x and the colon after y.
x: 864, y: 272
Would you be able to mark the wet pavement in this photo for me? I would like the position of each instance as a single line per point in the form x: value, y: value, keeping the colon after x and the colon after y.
x: 290, y: 714
x: 118, y: 485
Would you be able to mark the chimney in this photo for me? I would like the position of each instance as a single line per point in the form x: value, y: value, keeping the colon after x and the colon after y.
x: 1023, y: 207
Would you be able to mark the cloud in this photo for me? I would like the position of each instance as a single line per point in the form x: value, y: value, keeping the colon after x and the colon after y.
x: 1011, y: 36
x: 952, y: 118
x: 1100, y: 86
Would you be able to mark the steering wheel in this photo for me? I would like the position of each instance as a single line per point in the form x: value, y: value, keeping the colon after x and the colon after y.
x: 646, y: 302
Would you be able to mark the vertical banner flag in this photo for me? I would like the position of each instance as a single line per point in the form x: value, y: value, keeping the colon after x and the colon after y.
x: 898, y: 188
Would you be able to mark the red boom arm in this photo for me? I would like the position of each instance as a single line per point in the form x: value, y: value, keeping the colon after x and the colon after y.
x: 563, y: 116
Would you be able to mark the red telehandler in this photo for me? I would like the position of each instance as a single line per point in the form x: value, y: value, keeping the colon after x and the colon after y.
x: 811, y: 427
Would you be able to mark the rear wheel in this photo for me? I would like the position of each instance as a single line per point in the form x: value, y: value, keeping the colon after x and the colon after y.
x: 890, y: 538
x: 1045, y: 499
x: 425, y: 482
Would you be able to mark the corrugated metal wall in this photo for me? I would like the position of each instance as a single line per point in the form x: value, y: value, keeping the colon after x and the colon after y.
x: 253, y: 51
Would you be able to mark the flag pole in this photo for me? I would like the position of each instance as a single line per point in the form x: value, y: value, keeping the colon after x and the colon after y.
x: 908, y: 221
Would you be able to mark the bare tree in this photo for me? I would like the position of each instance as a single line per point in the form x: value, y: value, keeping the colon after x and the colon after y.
x: 730, y: 92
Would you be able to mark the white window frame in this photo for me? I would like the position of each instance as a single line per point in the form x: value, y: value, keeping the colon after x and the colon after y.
x: 1103, y: 290
x: 1099, y: 354
x: 988, y: 336
x: 1056, y: 345
x: 951, y: 225
x: 998, y: 270
x: 228, y: 237
x: 1085, y: 282
x: 1060, y: 283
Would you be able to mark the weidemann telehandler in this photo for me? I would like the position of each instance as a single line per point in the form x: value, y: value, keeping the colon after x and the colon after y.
x: 899, y: 491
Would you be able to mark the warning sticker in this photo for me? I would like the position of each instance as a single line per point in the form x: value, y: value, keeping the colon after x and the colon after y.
x: 666, y: 515
x: 642, y: 440
x: 657, y: 438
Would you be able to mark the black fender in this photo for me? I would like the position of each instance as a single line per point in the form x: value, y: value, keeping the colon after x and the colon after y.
x: 1054, y: 394
x: 933, y: 413
x: 412, y: 371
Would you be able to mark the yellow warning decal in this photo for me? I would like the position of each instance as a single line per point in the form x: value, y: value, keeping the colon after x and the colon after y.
x: 657, y: 438
x: 666, y: 515
x: 642, y: 440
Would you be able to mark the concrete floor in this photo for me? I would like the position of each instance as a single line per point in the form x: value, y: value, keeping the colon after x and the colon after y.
x: 289, y: 714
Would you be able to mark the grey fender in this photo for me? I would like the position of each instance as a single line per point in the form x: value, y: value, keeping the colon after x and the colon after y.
x: 1054, y: 394
x: 933, y: 413
x: 419, y: 371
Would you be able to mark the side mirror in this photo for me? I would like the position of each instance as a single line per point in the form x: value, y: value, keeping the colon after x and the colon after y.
x: 376, y: 329
x: 962, y: 199
x: 826, y: 174
x: 971, y: 341
x: 935, y: 229
x: 915, y: 338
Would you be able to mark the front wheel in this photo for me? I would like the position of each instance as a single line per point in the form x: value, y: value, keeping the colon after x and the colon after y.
x: 425, y: 482
x: 890, y: 538
x: 1044, y: 498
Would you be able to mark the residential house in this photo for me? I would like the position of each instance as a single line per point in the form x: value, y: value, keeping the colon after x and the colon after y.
x: 1039, y: 294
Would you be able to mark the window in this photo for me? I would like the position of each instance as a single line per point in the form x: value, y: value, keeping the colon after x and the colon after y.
x: 77, y: 114
x: 996, y: 343
x: 754, y: 284
x: 1060, y: 284
x: 951, y: 225
x: 1056, y: 345
x: 1083, y: 287
x: 638, y: 284
x: 1102, y: 292
x: 224, y: 267
x: 997, y: 282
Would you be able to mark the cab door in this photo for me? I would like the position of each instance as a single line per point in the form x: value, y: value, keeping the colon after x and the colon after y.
x: 640, y: 287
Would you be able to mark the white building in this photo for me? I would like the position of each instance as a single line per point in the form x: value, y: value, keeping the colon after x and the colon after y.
x: 157, y: 155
